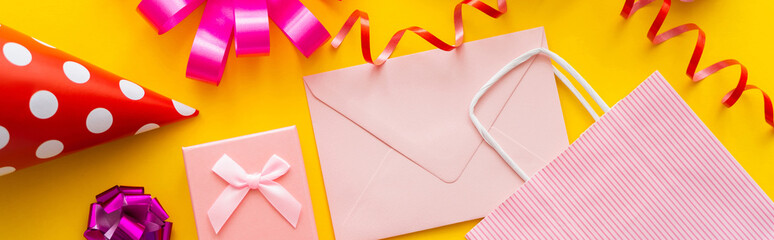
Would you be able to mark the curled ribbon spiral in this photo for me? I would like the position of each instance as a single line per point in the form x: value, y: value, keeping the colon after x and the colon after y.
x: 631, y: 6
x: 459, y: 33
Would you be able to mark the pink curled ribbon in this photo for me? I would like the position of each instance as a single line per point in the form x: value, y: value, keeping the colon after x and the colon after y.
x: 246, y: 21
x: 240, y: 183
x: 127, y: 213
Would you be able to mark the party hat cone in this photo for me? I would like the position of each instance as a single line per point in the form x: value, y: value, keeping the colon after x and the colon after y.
x: 52, y: 103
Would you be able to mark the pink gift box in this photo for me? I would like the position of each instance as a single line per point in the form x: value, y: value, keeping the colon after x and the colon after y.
x: 254, y: 217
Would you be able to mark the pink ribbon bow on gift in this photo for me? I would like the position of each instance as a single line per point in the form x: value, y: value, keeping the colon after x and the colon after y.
x: 240, y: 183
x: 247, y: 20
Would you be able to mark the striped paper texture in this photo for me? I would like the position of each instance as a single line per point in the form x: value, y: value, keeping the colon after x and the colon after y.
x: 649, y: 169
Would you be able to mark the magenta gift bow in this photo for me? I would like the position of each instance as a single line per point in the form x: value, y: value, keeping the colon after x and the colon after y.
x: 247, y: 20
x: 240, y: 184
x: 127, y: 213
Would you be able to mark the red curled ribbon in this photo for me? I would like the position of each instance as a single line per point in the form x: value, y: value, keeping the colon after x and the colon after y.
x: 127, y: 213
x: 246, y: 21
x: 630, y: 7
x: 459, y: 33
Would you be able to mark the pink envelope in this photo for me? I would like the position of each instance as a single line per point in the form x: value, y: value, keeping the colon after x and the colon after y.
x: 254, y: 217
x: 398, y: 151
x: 648, y: 169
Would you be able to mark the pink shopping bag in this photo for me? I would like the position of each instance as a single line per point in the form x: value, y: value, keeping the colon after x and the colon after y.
x: 647, y: 169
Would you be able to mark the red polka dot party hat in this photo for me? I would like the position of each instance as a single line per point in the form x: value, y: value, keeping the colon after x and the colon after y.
x: 52, y: 103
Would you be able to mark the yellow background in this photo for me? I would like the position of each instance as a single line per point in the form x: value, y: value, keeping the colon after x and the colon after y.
x: 50, y: 201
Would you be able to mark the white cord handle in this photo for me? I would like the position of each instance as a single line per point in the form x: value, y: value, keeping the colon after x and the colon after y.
x: 515, y: 63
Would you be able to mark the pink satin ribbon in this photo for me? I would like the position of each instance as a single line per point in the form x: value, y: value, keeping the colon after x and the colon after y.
x: 247, y: 20
x: 240, y: 183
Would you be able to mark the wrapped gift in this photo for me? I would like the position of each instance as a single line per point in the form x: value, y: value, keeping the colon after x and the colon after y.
x: 53, y: 103
x: 251, y: 187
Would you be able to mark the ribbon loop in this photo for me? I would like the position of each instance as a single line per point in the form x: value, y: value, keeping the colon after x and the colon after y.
x: 230, y: 171
x: 275, y: 168
x: 240, y: 183
x: 251, y: 32
x: 299, y: 25
x: 212, y: 42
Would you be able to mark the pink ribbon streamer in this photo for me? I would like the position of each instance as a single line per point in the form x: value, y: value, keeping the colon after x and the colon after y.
x: 240, y: 183
x: 246, y: 21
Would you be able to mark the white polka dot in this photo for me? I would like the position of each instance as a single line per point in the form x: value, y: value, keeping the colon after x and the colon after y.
x: 99, y: 120
x: 147, y: 127
x: 183, y: 109
x: 6, y: 170
x: 17, y: 54
x: 4, y: 137
x: 131, y: 90
x: 41, y: 42
x: 49, y: 149
x: 76, y: 72
x: 43, y: 104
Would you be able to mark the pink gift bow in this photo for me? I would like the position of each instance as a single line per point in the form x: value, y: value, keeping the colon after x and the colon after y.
x: 247, y: 20
x: 240, y: 183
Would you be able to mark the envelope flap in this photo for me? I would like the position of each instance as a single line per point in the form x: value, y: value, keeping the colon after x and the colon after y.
x: 418, y: 104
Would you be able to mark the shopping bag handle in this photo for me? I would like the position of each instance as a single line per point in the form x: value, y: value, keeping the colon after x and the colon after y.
x: 515, y: 63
